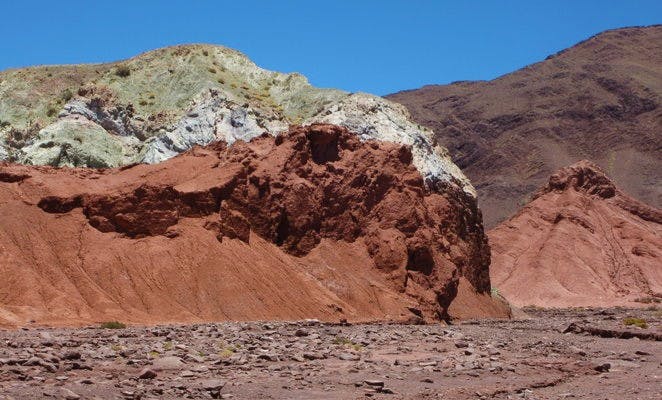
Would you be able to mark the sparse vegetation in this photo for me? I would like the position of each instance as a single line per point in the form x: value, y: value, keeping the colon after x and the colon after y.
x: 123, y: 71
x: 638, y: 322
x: 66, y: 95
x: 112, y: 325
x: 212, y: 70
x: 343, y: 341
x: 226, y: 352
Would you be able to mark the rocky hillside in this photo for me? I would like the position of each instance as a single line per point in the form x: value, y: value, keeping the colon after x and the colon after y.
x: 161, y: 103
x: 580, y: 242
x: 598, y: 100
x: 313, y: 223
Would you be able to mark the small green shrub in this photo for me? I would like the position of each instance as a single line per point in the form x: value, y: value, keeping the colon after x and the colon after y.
x: 212, y: 70
x: 638, y: 322
x: 123, y: 71
x: 112, y: 325
x: 66, y: 95
x: 226, y: 352
x: 343, y: 341
x: 51, y: 111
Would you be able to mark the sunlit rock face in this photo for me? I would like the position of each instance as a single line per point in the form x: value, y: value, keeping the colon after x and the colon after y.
x: 161, y: 103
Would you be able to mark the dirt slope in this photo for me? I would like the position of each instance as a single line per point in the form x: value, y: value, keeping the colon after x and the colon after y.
x: 311, y: 224
x: 580, y: 242
x: 598, y: 100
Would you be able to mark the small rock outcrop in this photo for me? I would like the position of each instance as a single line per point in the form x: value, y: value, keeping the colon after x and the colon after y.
x: 580, y: 242
x: 312, y: 223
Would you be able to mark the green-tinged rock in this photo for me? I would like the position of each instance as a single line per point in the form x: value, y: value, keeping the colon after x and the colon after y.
x: 71, y: 143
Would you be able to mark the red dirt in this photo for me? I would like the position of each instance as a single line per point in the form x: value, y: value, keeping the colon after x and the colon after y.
x: 312, y: 224
x: 580, y: 242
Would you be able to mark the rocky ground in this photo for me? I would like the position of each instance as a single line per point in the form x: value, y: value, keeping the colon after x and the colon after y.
x: 528, y: 358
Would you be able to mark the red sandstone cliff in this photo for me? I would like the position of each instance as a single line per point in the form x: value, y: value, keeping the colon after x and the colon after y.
x: 311, y: 224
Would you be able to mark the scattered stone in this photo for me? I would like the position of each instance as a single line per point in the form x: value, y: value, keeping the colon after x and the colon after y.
x: 168, y: 363
x: 603, y: 367
x: 147, y: 373
x: 212, y: 384
x: 349, y: 356
x: 71, y: 355
x: 69, y: 395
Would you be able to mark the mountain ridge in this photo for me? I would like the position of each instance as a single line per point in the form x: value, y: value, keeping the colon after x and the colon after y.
x: 598, y: 99
x: 155, y: 105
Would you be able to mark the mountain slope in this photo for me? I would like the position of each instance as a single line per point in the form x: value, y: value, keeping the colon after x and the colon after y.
x: 598, y: 100
x: 580, y: 242
x: 161, y: 103
x: 311, y: 224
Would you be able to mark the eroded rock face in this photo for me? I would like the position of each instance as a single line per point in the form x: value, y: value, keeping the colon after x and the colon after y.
x: 580, y: 242
x: 311, y: 223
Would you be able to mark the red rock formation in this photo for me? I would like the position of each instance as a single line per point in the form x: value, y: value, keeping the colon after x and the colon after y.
x: 580, y: 242
x: 313, y: 223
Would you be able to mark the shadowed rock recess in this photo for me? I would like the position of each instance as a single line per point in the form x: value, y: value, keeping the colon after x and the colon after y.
x: 311, y: 223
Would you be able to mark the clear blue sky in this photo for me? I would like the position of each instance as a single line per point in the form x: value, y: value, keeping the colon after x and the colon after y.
x: 373, y: 46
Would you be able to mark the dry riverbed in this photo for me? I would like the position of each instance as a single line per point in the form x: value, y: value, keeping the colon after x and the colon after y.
x: 543, y: 357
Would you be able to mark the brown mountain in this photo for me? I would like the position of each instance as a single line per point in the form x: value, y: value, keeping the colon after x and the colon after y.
x: 310, y: 224
x: 598, y: 100
x: 580, y: 242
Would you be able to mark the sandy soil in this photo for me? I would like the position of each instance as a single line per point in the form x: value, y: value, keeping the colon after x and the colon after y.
x: 498, y: 359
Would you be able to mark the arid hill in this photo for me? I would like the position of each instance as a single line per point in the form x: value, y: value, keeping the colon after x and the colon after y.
x: 314, y: 223
x: 580, y: 242
x: 598, y: 100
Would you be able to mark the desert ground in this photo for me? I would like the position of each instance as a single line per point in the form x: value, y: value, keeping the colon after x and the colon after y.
x: 543, y: 354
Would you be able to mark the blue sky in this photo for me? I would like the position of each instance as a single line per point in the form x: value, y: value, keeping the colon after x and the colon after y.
x: 373, y: 46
